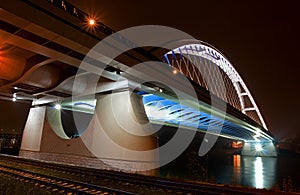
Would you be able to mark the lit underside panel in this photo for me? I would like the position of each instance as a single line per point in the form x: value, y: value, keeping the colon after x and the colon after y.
x: 161, y: 110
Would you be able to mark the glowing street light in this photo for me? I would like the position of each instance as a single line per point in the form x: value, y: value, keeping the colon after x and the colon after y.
x: 91, y: 22
x: 57, y: 106
x: 258, y: 147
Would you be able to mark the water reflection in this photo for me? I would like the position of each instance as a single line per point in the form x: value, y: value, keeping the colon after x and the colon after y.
x: 237, y: 168
x: 258, y: 177
x: 259, y: 172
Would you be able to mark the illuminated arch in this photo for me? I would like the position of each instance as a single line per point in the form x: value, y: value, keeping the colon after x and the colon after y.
x: 181, y: 59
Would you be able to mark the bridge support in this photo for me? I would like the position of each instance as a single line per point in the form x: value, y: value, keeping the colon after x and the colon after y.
x: 94, y: 148
x: 32, y: 134
x: 121, y: 135
x: 253, y: 148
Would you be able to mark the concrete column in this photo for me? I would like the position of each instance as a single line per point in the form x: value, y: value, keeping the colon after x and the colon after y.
x: 252, y: 148
x: 54, y: 140
x: 32, y: 134
x: 44, y: 133
x: 121, y: 133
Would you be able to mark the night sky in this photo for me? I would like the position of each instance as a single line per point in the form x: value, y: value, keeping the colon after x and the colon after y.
x: 13, y: 115
x: 260, y: 38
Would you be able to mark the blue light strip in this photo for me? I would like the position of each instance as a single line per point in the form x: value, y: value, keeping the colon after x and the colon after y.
x: 166, y: 57
x: 166, y: 111
x: 84, y: 104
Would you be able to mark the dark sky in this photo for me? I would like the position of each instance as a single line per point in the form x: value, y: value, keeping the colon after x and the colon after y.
x: 260, y: 38
x: 13, y: 115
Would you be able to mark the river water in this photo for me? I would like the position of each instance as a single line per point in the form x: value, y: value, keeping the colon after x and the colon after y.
x: 281, y: 173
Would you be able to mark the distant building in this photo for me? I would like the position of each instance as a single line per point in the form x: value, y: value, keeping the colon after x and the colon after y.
x: 10, y: 141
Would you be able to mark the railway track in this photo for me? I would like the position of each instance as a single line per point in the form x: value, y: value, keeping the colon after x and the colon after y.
x: 59, y: 185
x: 128, y: 183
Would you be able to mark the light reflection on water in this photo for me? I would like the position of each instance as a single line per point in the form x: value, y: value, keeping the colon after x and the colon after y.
x: 259, y: 177
x: 258, y: 172
x: 237, y: 168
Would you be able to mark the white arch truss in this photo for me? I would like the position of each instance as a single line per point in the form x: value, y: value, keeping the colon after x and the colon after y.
x: 204, y: 52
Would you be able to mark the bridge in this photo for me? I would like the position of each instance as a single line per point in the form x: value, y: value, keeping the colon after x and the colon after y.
x: 84, y: 100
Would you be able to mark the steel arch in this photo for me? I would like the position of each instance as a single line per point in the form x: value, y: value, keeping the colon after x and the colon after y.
x: 205, y: 51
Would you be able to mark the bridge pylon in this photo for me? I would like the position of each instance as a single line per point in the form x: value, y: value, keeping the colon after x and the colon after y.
x: 44, y: 137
